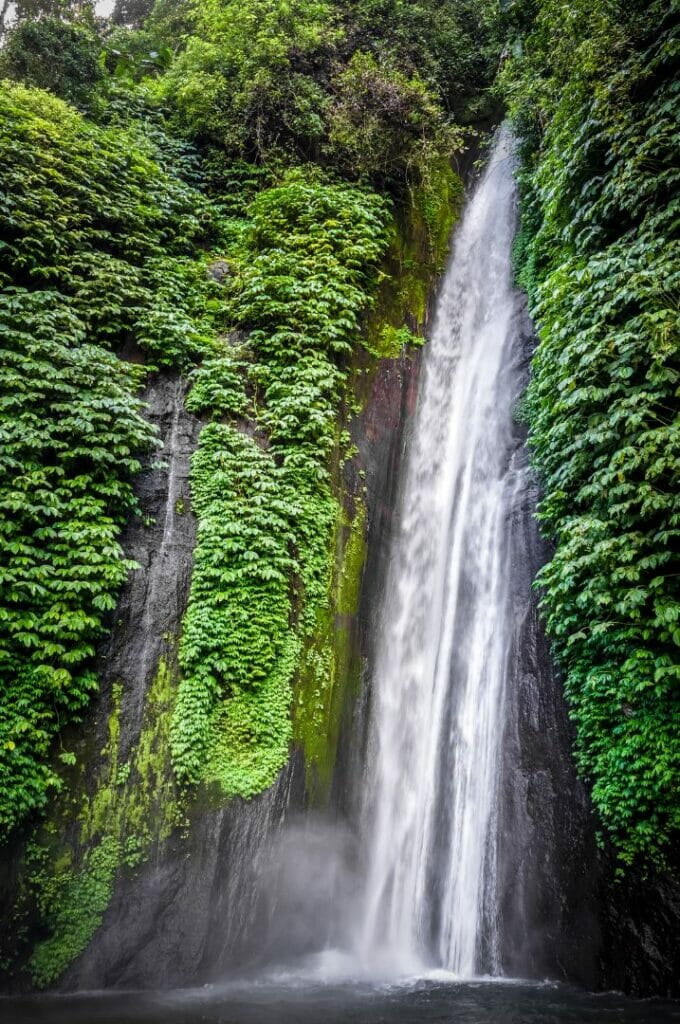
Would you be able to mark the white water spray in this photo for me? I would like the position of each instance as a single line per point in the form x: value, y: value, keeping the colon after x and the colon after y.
x: 430, y: 815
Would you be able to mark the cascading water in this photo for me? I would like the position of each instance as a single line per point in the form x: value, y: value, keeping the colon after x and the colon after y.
x: 476, y: 849
x: 433, y: 765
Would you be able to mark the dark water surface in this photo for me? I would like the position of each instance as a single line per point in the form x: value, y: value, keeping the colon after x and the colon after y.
x: 422, y: 1002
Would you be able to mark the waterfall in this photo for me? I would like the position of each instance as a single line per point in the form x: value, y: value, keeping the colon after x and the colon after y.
x: 430, y: 815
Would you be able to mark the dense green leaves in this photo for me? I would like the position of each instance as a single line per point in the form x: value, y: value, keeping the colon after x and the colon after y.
x: 452, y: 45
x: 369, y: 88
x: 600, y: 255
x: 386, y: 125
x: 248, y: 76
x: 69, y: 431
x: 54, y: 55
x: 89, y: 211
x: 90, y: 224
x: 265, y: 507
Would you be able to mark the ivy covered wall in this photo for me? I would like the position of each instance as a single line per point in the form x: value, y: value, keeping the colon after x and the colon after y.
x: 599, y: 256
x: 97, y: 252
x: 275, y: 289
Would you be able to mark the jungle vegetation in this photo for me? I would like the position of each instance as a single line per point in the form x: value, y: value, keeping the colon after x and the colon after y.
x: 599, y: 256
x: 283, y: 136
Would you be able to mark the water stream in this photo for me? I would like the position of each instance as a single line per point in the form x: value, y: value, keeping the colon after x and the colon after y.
x: 438, y: 691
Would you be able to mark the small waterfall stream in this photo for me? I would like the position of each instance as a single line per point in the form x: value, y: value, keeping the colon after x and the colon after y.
x: 434, y: 757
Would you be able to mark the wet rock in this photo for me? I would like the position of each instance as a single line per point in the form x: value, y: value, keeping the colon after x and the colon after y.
x: 147, y: 619
x: 219, y: 271
x: 203, y: 904
x: 564, y: 914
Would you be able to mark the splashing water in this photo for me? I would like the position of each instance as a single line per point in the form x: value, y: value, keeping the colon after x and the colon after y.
x: 430, y: 812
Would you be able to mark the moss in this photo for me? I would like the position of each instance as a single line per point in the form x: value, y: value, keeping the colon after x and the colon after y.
x: 436, y: 205
x: 324, y: 677
x: 128, y: 794
x: 151, y: 789
x: 419, y: 243
x: 74, y: 903
x: 134, y: 805
x: 424, y: 231
x: 354, y: 555
x: 315, y: 682
x: 95, y: 813
x: 313, y: 705
x: 388, y: 342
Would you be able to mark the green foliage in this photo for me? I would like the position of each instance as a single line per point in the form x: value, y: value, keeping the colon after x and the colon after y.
x: 130, y: 56
x: 69, y: 426
x: 600, y: 256
x: 130, y: 807
x: 217, y: 384
x: 385, y: 124
x: 94, y: 254
x: 54, y: 55
x: 99, y: 242
x: 368, y: 88
x: 452, y: 46
x: 266, y: 511
x: 95, y: 216
x: 258, y: 77
x: 247, y: 78
x: 236, y: 626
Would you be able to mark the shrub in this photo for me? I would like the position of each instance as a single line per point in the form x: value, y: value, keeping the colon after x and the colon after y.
x: 384, y: 124
x: 55, y: 55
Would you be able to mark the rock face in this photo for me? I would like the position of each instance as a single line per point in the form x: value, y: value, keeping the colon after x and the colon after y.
x: 640, y: 952
x: 151, y: 606
x: 380, y: 434
x: 144, y: 630
x: 564, y: 915
x: 550, y: 921
x: 203, y: 903
x: 190, y: 911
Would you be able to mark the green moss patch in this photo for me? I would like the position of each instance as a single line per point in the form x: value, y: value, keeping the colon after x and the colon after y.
x: 132, y: 807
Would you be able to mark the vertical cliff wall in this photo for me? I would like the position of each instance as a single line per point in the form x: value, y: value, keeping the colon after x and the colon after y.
x: 134, y: 883
x: 131, y: 881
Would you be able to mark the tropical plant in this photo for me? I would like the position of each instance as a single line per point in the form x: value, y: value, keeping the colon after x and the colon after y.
x: 600, y: 257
